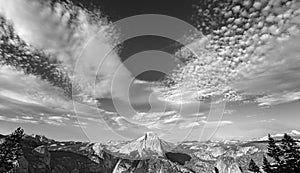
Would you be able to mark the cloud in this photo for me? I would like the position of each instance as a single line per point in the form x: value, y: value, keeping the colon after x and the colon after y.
x: 153, y: 116
x: 173, y: 119
x: 220, y: 69
x: 52, y: 120
x: 267, y: 120
x: 18, y: 97
x: 17, y: 120
x: 59, y: 119
x: 80, y: 124
x: 278, y: 98
x: 190, y: 125
x: 206, y: 124
x: 158, y: 120
x: 251, y: 116
x: 277, y: 81
x: 27, y: 117
x: 216, y: 123
x: 27, y: 99
x: 29, y: 90
x: 83, y: 47
x: 228, y: 112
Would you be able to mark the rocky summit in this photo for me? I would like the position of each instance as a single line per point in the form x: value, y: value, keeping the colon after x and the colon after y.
x: 146, y: 154
x: 144, y: 147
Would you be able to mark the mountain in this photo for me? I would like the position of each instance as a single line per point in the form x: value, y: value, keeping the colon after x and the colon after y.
x: 147, y: 154
x: 147, y: 146
x: 43, y: 155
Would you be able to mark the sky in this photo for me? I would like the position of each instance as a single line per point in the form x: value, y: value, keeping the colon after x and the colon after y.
x: 120, y: 73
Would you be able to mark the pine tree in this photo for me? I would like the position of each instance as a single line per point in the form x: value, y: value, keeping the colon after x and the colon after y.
x: 266, y: 166
x: 275, y: 152
x: 253, y: 167
x: 241, y: 169
x: 216, y: 170
x: 290, y: 160
x: 10, y: 150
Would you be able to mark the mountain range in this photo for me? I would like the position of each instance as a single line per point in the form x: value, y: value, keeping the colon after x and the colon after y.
x: 147, y: 154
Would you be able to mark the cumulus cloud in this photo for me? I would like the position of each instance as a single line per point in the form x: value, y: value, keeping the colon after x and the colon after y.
x: 278, y: 80
x: 224, y: 64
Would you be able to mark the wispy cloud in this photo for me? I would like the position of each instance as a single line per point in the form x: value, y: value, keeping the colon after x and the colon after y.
x: 27, y: 117
x: 59, y: 118
x: 206, y: 124
x: 52, y: 120
x: 82, y: 48
x: 279, y: 98
x: 267, y: 120
x: 18, y: 120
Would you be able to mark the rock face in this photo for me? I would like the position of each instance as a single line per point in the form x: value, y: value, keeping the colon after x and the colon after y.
x: 148, y: 154
x: 142, y: 148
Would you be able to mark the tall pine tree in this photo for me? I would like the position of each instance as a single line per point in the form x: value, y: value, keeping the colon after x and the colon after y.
x: 275, y: 152
x: 216, y: 170
x: 290, y: 160
x: 253, y: 167
x: 266, y: 166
